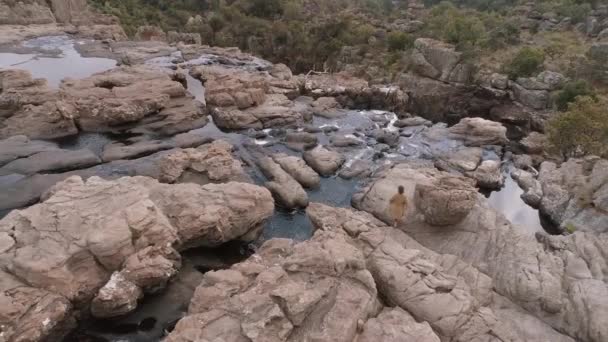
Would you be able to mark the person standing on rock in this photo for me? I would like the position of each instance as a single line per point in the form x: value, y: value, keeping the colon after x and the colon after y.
x: 397, y: 206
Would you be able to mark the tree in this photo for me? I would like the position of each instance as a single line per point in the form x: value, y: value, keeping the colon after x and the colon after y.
x: 581, y: 130
x: 527, y: 62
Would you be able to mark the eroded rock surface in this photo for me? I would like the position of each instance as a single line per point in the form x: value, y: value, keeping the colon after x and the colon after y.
x: 575, y: 194
x: 71, y: 243
x: 559, y: 279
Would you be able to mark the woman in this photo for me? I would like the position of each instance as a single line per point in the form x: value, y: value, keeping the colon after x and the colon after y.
x: 398, y: 206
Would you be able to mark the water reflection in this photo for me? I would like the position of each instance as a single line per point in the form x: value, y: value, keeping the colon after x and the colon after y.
x: 69, y: 63
x: 508, y: 201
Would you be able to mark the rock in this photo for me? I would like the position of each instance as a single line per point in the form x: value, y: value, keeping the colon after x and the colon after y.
x: 359, y: 168
x: 53, y: 160
x: 387, y: 250
x: 20, y: 146
x: 603, y: 35
x: 245, y: 97
x: 499, y: 81
x: 574, y: 194
x: 209, y: 163
x: 29, y: 107
x: 123, y: 217
x: 462, y: 160
x: 339, y: 140
x: 276, y: 111
x: 150, y: 32
x: 486, y: 240
x: 332, y: 85
x: 516, y: 118
x: 117, y: 297
x: 394, y: 325
x: 414, y: 121
x: 440, y: 102
x: 116, y: 150
x: 288, y: 284
x: 32, y: 314
x: 479, y: 132
x: 488, y: 175
x: 523, y: 161
x: 532, y: 83
x: 554, y: 80
x: 327, y: 107
x: 184, y: 37
x: 440, y: 61
x: 284, y: 187
x: 301, y: 141
x: 325, y: 162
x: 297, y: 168
x: 142, y: 96
x: 446, y: 202
x: 533, y: 192
x: 534, y: 143
x: 387, y: 137
x: 536, y: 99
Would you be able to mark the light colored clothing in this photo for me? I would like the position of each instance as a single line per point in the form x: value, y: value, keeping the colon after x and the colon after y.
x: 397, y: 207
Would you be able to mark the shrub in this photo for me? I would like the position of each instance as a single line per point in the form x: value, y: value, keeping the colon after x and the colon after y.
x: 527, y: 62
x: 399, y: 41
x: 581, y: 130
x: 570, y: 92
x: 459, y: 27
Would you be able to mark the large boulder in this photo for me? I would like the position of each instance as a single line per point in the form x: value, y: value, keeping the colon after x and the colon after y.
x: 446, y: 201
x: 29, y: 107
x: 479, y: 132
x: 286, y: 189
x: 440, y: 61
x: 298, y: 169
x: 150, y: 99
x: 208, y: 163
x: 243, y: 97
x: 536, y: 99
x: 325, y: 162
x: 82, y: 232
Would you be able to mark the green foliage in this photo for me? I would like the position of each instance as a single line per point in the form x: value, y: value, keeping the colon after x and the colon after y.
x: 399, y: 41
x: 501, y: 32
x: 527, y: 62
x: 581, y: 130
x: 461, y: 28
x: 482, y: 5
x: 576, y: 10
x: 571, y: 91
x: 570, y: 228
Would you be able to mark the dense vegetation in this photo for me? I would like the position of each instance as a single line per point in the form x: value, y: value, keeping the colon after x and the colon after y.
x: 582, y: 129
x: 371, y: 34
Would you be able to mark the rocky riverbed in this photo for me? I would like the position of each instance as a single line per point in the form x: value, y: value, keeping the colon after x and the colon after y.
x: 153, y: 181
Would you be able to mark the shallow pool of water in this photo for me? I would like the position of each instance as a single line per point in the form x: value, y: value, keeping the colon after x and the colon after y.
x: 69, y: 63
x: 508, y: 201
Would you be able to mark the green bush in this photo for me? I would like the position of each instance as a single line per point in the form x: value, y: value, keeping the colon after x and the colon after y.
x: 399, y: 41
x: 459, y: 27
x: 527, y: 62
x: 581, y: 130
x: 570, y: 92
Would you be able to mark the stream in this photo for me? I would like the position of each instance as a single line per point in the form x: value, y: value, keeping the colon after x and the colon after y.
x: 55, y: 58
